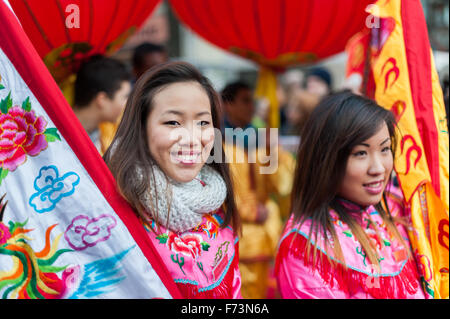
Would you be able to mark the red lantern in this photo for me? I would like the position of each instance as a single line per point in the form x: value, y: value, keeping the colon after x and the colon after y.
x: 64, y: 32
x: 275, y: 34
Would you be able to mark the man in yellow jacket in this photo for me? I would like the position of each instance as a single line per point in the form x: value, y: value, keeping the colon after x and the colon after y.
x: 258, y: 196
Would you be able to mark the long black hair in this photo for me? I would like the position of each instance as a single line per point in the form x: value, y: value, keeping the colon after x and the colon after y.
x: 129, y: 147
x: 339, y: 123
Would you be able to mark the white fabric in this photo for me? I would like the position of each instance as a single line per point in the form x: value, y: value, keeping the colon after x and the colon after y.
x: 102, y: 259
x: 180, y: 206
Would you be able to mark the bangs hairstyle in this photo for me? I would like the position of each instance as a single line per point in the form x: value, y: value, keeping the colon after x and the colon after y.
x: 339, y: 123
x: 129, y: 149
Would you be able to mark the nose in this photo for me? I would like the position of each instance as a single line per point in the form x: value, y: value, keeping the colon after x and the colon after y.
x: 376, y: 166
x: 188, y: 136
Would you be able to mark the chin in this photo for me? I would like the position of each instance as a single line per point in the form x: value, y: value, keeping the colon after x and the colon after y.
x: 370, y: 201
x: 184, y: 175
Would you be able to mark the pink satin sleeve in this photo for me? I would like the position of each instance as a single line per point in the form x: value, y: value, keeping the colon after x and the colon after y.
x: 296, y: 281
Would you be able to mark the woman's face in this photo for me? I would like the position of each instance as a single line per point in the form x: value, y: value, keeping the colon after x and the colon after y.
x: 180, y: 130
x: 368, y: 169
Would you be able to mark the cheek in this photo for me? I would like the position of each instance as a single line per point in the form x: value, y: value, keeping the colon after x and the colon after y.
x: 355, y: 172
x: 207, y: 139
x: 389, y: 164
x: 159, y: 142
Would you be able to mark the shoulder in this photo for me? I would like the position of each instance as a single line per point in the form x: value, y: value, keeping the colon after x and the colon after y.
x: 296, y: 235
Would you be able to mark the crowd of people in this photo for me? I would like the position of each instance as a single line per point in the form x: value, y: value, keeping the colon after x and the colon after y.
x: 318, y: 226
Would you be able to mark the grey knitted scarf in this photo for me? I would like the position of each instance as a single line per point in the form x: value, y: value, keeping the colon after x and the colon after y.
x: 180, y: 206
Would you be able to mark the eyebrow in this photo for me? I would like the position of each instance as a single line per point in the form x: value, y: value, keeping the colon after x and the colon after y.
x: 181, y: 113
x: 367, y: 145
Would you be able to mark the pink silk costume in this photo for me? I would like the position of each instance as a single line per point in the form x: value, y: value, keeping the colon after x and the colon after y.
x: 397, y: 277
x: 203, y: 261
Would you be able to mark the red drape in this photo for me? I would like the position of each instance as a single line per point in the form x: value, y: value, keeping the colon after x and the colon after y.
x: 64, y: 32
x: 275, y: 33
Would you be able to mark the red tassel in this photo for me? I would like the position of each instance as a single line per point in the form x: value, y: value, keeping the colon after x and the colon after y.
x: 349, y: 280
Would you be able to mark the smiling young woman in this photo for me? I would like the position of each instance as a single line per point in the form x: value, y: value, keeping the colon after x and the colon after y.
x: 159, y: 160
x: 345, y: 237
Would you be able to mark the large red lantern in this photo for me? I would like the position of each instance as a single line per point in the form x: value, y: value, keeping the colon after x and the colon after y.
x: 65, y: 32
x: 275, y: 34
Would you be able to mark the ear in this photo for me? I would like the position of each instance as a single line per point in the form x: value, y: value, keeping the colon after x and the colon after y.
x: 102, y: 100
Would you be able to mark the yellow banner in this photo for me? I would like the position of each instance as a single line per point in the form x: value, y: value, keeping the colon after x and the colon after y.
x: 420, y: 164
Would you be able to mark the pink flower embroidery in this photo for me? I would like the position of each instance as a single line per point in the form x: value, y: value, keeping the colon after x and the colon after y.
x: 21, y: 134
x: 188, y: 245
x: 4, y: 233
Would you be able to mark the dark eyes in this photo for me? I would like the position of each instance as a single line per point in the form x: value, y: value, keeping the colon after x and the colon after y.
x: 175, y: 123
x: 363, y: 153
x: 360, y: 153
x: 204, y: 123
x: 171, y: 123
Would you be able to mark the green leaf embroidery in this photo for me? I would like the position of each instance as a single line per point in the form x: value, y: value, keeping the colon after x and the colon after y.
x: 1, y: 86
x: 205, y: 246
x: 53, y: 269
x: 347, y: 233
x: 14, y: 226
x: 179, y: 261
x: 26, y: 105
x: 6, y: 104
x: 51, y: 134
x: 162, y: 238
x: 3, y: 173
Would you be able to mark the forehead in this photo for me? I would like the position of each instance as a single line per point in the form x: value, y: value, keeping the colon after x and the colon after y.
x: 380, y: 135
x: 184, y: 97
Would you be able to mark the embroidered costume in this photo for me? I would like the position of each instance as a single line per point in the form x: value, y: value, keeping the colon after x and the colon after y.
x: 203, y: 261
x: 395, y: 277
x: 201, y: 256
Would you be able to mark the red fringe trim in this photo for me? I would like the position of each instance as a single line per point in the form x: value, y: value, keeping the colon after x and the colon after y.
x: 223, y: 291
x: 349, y: 280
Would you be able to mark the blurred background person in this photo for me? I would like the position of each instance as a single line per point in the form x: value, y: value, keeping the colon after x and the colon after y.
x: 303, y: 98
x: 239, y: 107
x: 147, y: 55
x: 102, y: 87
x: 318, y: 81
x: 261, y: 222
x: 290, y: 82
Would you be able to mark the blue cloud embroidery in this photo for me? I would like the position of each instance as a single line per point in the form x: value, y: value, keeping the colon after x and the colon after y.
x: 51, y: 188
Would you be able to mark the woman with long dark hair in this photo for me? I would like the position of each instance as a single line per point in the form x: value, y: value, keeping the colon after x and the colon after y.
x: 346, y: 236
x: 159, y: 159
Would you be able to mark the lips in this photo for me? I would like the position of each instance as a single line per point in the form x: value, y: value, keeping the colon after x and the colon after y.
x: 374, y: 188
x: 190, y: 157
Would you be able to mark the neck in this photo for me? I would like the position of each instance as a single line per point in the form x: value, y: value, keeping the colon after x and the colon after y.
x: 88, y: 117
x: 350, y: 206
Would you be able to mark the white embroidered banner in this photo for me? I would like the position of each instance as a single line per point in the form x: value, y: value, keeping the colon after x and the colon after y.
x: 60, y: 236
